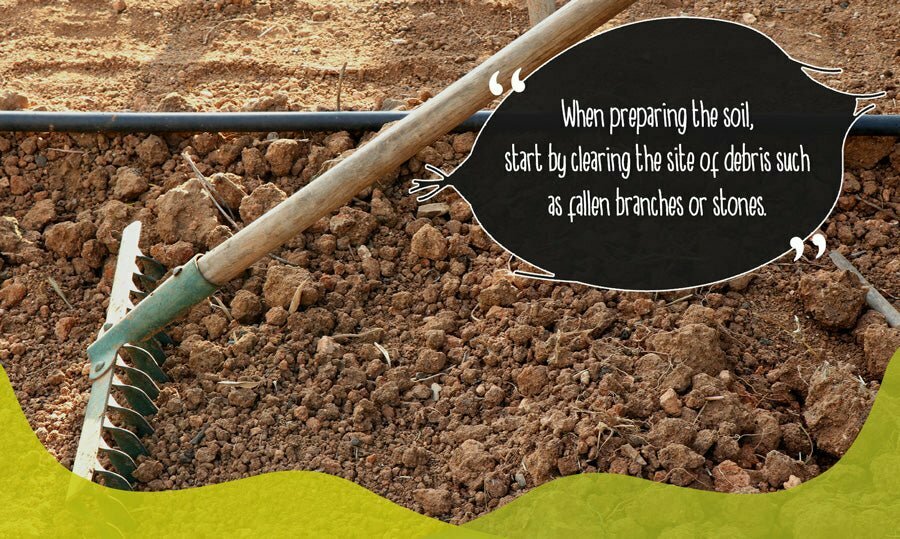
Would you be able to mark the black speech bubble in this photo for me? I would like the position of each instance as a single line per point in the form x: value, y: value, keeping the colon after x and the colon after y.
x: 652, y: 62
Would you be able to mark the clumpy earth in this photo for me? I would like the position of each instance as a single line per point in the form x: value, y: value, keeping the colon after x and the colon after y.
x: 388, y: 344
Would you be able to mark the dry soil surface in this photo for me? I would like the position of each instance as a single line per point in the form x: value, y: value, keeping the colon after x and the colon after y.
x: 392, y: 348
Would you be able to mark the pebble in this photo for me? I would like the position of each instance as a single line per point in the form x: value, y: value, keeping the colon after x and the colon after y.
x: 430, y: 211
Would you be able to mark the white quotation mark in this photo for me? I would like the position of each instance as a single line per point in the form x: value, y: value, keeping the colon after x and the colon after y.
x: 819, y: 241
x: 517, y: 84
x: 797, y: 244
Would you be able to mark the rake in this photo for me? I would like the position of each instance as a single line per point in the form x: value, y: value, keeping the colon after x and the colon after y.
x: 127, y: 358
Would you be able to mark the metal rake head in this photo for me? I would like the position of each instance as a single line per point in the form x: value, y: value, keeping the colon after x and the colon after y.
x: 122, y: 394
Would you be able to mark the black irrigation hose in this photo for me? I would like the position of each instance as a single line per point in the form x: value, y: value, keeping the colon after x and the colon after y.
x: 212, y: 122
x: 159, y: 122
x: 887, y: 125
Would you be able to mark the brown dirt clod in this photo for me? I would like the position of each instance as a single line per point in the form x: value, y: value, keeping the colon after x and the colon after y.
x: 435, y: 502
x: 834, y: 298
x: 262, y: 199
x: 429, y: 243
x: 694, y: 345
x: 129, y: 184
x: 469, y: 464
x: 187, y: 213
x: 836, y: 407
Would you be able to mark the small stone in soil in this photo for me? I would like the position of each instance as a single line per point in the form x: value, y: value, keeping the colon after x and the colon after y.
x: 229, y: 188
x: 242, y: 397
x: 206, y: 357
x: 186, y: 213
x: 430, y: 211
x: 175, y: 102
x: 353, y: 224
x: 670, y: 402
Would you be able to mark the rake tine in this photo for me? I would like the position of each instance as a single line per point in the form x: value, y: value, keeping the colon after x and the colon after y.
x: 120, y: 460
x: 154, y: 347
x: 147, y: 282
x: 139, y: 379
x: 163, y: 339
x: 112, y: 479
x: 126, y: 440
x: 152, y: 268
x: 146, y: 361
x: 136, y: 397
x: 131, y: 418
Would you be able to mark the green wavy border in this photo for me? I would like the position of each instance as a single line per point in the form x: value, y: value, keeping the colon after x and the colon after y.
x: 859, y: 496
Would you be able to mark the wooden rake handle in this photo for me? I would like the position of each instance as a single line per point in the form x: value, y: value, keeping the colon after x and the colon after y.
x: 400, y: 142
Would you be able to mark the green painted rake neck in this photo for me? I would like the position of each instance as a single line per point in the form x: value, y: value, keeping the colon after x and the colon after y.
x: 183, y: 289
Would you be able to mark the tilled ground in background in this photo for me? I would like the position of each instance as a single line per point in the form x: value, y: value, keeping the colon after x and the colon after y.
x: 273, y: 54
x: 487, y: 385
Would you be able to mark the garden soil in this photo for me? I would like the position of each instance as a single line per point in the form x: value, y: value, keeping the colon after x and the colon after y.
x: 389, y: 343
